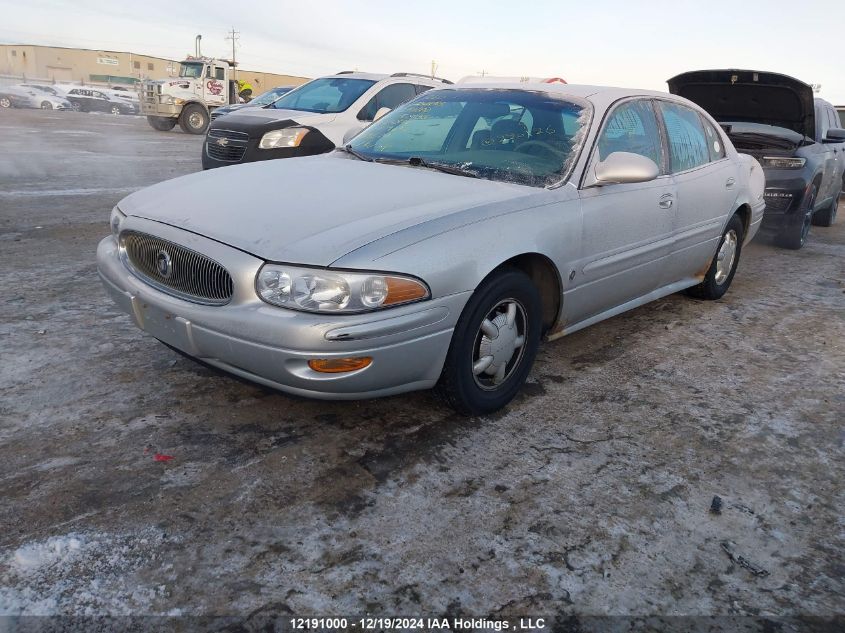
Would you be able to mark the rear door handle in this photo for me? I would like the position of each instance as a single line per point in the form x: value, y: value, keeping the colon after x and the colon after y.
x: 730, y: 182
x: 665, y: 201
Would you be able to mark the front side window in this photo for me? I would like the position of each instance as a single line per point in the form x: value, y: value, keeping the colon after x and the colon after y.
x: 482, y: 132
x: 687, y: 141
x: 332, y: 94
x: 390, y: 97
x: 632, y: 127
x: 219, y: 73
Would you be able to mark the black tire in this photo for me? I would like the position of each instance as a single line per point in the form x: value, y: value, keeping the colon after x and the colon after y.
x: 194, y: 119
x: 459, y: 386
x: 5, y: 102
x: 716, y: 282
x: 827, y: 216
x: 75, y: 106
x: 46, y: 105
x: 795, y: 236
x: 161, y: 123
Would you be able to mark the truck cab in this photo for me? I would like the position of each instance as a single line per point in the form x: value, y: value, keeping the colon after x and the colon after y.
x: 202, y: 85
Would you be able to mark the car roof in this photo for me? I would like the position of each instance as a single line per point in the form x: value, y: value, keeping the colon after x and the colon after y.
x: 399, y: 77
x: 597, y: 94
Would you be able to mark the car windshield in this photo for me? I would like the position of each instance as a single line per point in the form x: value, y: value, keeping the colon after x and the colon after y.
x: 516, y: 136
x: 270, y: 96
x: 191, y: 69
x: 333, y: 94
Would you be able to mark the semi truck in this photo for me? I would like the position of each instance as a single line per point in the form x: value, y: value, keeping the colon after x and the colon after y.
x: 203, y: 84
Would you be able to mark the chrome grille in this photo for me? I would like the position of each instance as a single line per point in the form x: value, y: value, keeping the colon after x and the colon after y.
x: 186, y: 273
x: 226, y: 145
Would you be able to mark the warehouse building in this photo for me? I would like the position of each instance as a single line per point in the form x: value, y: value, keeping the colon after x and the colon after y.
x: 80, y: 65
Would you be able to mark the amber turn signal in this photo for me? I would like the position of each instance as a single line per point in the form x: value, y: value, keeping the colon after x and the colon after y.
x: 339, y: 365
x: 401, y: 290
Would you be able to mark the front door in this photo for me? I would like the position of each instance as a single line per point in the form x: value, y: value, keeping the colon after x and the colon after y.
x: 627, y: 228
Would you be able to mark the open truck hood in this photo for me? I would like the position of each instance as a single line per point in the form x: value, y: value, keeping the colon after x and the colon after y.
x: 750, y: 95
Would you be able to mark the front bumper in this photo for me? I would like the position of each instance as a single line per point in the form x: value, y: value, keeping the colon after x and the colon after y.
x: 160, y: 109
x: 784, y: 196
x: 272, y: 346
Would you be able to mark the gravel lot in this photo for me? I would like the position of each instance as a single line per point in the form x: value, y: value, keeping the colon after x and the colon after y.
x: 589, y: 494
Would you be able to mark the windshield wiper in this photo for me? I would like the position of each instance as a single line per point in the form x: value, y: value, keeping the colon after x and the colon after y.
x: 416, y: 161
x: 348, y: 149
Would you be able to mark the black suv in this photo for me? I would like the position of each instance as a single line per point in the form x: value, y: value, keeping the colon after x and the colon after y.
x: 798, y: 140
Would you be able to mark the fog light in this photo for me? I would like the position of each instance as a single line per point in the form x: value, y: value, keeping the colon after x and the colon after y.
x: 339, y: 365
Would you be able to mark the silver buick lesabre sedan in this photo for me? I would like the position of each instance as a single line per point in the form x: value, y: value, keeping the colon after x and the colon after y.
x: 441, y: 243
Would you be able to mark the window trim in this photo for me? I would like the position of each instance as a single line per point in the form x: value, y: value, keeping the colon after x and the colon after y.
x: 664, y: 150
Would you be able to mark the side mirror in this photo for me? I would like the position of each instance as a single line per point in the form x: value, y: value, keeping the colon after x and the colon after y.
x: 625, y: 167
x: 380, y: 113
x: 835, y: 135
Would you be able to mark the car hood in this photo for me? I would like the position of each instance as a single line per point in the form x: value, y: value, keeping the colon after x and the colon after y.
x: 750, y: 95
x: 311, y: 210
x: 257, y: 121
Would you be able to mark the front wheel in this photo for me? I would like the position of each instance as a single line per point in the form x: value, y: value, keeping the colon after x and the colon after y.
x: 494, y: 344
x: 795, y: 235
x: 161, y: 123
x: 5, y: 102
x: 194, y: 119
x: 723, y: 267
x: 46, y: 105
x: 115, y: 109
x: 827, y: 216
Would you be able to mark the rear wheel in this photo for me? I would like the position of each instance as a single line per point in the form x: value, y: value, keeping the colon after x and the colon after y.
x: 795, y: 236
x: 46, y: 105
x: 161, y: 123
x: 5, y: 102
x: 115, y: 109
x: 75, y: 106
x: 723, y: 267
x: 827, y: 216
x: 494, y: 344
x: 194, y: 119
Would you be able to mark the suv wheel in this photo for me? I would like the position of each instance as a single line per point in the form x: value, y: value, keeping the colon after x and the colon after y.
x: 827, y: 216
x: 194, y: 119
x: 46, y: 105
x: 494, y: 344
x: 795, y: 236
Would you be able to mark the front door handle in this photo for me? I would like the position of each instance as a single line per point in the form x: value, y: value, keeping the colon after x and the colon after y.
x: 665, y: 201
x: 730, y: 182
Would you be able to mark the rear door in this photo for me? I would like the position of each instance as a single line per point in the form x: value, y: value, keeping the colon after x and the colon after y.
x: 627, y: 228
x: 707, y: 188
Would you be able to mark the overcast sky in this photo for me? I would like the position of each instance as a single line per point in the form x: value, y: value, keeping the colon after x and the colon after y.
x: 609, y: 42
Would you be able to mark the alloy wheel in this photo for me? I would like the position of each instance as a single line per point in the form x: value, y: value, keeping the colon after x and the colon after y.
x: 725, y: 257
x: 499, y: 344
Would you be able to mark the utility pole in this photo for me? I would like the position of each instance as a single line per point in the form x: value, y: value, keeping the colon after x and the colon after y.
x: 234, y: 36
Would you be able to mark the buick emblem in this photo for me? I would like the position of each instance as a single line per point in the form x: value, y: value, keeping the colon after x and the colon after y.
x: 163, y: 264
x: 223, y: 141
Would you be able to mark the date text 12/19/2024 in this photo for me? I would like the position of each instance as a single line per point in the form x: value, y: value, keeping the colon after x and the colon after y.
x: 420, y: 624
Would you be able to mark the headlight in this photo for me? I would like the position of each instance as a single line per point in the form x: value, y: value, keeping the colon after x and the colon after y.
x: 781, y: 162
x: 166, y: 99
x: 116, y: 219
x: 321, y: 290
x: 288, y: 137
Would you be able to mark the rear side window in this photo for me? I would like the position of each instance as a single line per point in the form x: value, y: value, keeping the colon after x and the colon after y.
x: 688, y: 147
x: 422, y: 89
x: 390, y: 97
x: 632, y: 127
x: 714, y: 141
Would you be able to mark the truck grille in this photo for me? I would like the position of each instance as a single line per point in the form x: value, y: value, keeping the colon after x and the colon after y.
x: 226, y: 145
x: 176, y: 270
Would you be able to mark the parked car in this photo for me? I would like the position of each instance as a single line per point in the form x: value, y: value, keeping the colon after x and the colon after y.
x: 310, y: 120
x: 265, y: 98
x: 91, y: 100
x: 45, y: 97
x: 441, y: 243
x: 15, y: 97
x: 799, y: 140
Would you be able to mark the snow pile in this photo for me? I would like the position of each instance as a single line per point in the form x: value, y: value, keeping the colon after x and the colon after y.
x: 84, y: 574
